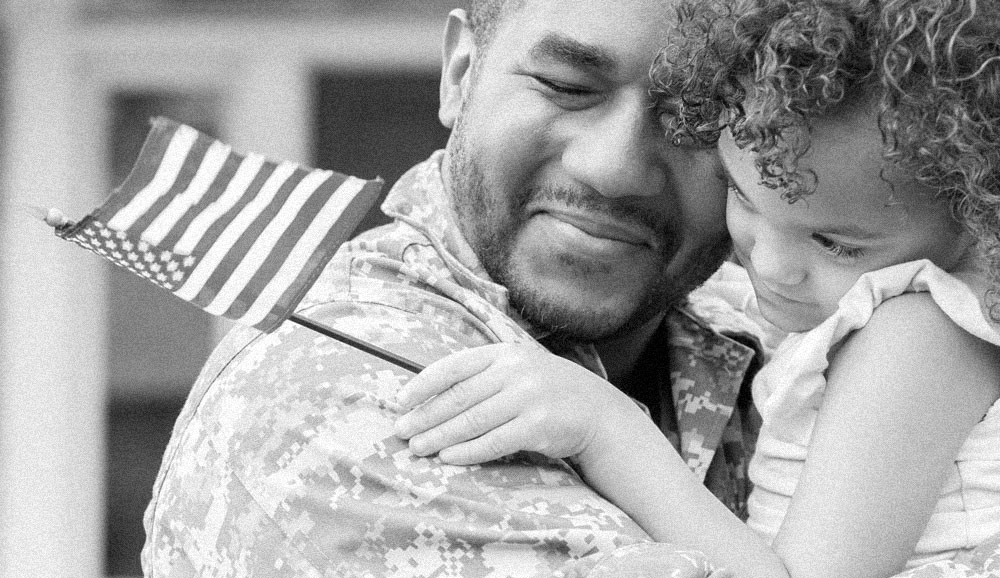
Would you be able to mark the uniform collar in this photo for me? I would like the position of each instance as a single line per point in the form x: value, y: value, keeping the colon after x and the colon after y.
x: 707, y: 369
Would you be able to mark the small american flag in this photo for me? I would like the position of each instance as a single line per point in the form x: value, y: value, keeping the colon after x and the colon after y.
x: 237, y: 235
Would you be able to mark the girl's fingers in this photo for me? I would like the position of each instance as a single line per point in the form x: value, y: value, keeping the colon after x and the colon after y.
x: 464, y: 426
x: 492, y: 445
x: 444, y: 373
x: 454, y: 401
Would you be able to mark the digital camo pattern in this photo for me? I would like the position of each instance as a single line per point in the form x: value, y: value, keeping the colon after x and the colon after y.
x: 283, y: 462
x: 725, y: 309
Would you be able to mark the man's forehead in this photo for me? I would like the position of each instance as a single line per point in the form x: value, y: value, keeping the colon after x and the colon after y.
x: 592, y: 33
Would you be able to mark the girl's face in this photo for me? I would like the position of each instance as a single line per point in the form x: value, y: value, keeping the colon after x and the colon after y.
x: 863, y: 215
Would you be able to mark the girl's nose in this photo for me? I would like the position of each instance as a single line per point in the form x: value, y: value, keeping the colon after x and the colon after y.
x: 775, y: 263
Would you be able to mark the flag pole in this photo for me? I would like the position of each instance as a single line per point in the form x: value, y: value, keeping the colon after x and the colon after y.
x: 357, y: 343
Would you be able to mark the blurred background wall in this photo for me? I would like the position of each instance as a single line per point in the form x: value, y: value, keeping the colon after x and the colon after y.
x: 94, y: 364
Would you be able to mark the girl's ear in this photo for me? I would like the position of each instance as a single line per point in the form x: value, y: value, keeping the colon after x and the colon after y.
x: 458, y: 53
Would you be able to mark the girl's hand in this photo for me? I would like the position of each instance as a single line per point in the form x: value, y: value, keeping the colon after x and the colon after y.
x: 488, y: 402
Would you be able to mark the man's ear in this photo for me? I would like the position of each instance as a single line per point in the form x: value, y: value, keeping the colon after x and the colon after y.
x: 456, y: 66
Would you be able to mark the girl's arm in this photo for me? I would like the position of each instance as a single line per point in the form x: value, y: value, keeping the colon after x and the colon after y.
x: 902, y: 395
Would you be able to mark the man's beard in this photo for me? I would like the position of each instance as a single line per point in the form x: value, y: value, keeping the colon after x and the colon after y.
x: 491, y: 221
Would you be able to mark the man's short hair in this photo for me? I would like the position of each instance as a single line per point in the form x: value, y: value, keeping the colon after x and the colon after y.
x: 485, y: 16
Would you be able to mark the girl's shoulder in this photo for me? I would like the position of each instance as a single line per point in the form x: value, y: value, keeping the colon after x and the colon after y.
x: 920, y: 315
x: 917, y: 296
x: 919, y: 334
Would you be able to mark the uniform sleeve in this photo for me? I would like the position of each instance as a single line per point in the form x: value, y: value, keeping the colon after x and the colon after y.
x: 284, y: 463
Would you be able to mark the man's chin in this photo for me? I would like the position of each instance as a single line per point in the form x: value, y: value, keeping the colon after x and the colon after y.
x: 576, y: 317
x: 574, y: 326
x: 582, y: 316
x: 574, y: 298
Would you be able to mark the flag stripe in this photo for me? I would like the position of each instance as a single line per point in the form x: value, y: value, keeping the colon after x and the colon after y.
x: 181, y: 183
x: 266, y: 242
x: 220, y: 248
x: 246, y: 239
x: 143, y: 171
x: 311, y: 253
x: 282, y: 268
x: 239, y: 188
x: 166, y: 174
x: 344, y: 230
x: 263, y: 181
x: 284, y: 245
x: 217, y: 188
x: 180, y: 204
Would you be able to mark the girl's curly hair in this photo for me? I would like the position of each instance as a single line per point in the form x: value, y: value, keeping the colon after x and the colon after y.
x: 931, y: 66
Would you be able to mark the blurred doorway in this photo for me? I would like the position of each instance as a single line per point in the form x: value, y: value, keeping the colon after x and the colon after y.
x: 376, y: 123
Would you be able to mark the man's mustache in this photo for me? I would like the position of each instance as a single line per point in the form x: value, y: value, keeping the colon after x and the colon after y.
x: 624, y: 209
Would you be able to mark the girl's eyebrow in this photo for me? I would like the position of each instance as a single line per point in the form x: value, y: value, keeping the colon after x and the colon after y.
x: 850, y: 230
x: 854, y: 232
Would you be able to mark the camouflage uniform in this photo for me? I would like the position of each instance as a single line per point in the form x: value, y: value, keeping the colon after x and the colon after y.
x: 283, y: 461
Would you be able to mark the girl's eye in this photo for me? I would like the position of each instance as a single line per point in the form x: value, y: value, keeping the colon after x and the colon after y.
x: 736, y: 192
x: 838, y: 250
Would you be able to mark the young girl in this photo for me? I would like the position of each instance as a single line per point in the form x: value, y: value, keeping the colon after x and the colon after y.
x: 862, y: 143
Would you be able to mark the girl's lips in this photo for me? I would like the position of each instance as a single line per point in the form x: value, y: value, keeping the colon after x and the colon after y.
x: 776, y: 298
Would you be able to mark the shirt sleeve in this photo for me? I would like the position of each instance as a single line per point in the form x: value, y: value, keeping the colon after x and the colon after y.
x: 283, y: 463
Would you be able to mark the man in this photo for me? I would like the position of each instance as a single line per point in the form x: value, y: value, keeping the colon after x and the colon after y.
x: 558, y: 215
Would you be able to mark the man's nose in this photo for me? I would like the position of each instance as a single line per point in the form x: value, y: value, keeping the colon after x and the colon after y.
x: 775, y: 260
x: 615, y: 151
